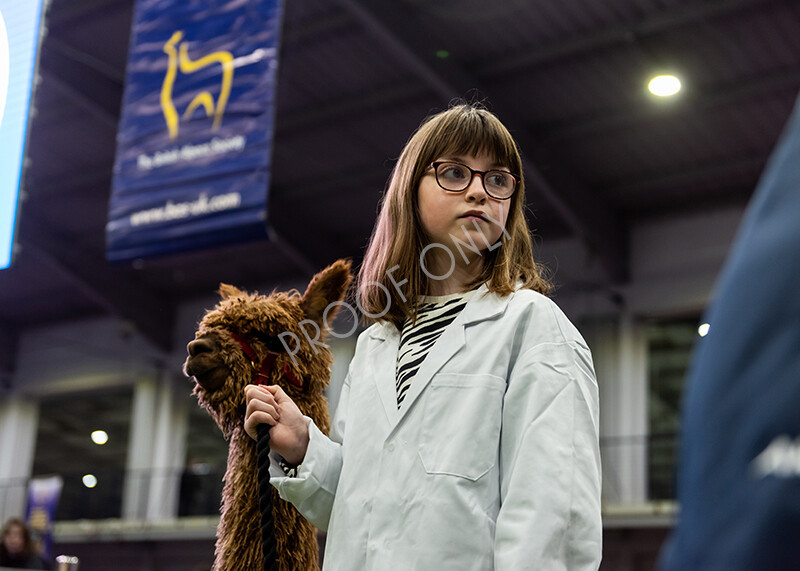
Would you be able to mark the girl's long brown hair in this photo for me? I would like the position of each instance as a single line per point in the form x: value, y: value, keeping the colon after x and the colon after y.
x: 393, y: 254
x: 28, y: 547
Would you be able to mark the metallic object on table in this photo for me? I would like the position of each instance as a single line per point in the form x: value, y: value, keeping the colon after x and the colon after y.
x: 66, y: 563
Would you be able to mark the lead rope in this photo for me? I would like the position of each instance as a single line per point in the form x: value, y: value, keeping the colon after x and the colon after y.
x: 268, y: 548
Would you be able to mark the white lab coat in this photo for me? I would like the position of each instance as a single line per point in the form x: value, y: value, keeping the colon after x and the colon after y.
x: 491, y: 463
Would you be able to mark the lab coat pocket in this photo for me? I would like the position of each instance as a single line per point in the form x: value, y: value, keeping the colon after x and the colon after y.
x: 463, y: 416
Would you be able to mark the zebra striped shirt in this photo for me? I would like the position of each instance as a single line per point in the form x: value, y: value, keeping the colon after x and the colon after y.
x: 434, y: 315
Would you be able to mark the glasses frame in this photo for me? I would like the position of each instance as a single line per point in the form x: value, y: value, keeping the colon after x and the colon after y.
x: 473, y: 172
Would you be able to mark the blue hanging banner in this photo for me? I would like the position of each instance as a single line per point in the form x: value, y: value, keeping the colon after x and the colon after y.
x: 193, y: 148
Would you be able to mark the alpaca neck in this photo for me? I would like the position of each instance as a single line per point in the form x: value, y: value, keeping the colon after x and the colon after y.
x: 240, y: 493
x: 241, y: 474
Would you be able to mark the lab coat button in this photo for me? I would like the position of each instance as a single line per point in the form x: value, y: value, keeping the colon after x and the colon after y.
x: 390, y: 447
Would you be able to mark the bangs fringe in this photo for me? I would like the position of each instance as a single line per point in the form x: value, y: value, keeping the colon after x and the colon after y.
x: 472, y: 131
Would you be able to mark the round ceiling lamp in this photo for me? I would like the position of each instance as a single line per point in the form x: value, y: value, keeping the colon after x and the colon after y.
x: 664, y: 85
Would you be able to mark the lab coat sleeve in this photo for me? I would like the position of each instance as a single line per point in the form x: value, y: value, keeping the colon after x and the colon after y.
x: 313, y: 490
x: 550, y: 463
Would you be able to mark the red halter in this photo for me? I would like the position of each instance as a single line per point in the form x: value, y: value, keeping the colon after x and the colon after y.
x: 262, y: 373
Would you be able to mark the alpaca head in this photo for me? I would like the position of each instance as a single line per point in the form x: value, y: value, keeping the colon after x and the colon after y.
x: 245, y: 330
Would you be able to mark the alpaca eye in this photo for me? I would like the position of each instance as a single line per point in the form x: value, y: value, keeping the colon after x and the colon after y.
x: 271, y: 342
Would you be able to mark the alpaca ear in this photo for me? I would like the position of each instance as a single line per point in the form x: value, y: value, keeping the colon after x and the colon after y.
x: 227, y: 291
x: 326, y: 287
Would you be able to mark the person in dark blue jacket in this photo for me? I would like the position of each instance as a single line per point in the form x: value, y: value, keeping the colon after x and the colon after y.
x: 739, y: 472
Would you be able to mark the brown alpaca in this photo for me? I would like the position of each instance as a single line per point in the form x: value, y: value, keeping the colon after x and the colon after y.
x: 222, y: 369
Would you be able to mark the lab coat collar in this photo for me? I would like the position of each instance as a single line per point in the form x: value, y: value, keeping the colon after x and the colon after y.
x: 490, y: 304
x: 483, y: 305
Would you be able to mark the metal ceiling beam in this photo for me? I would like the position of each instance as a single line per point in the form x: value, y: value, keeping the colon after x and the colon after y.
x: 303, y: 33
x: 726, y: 196
x: 114, y: 75
x: 151, y: 313
x: 688, y: 102
x: 64, y: 13
x: 685, y: 176
x: 338, y: 109
x: 66, y: 183
x: 90, y: 83
x: 617, y: 34
x: 394, y: 27
x: 344, y: 183
x: 90, y: 105
x: 601, y: 229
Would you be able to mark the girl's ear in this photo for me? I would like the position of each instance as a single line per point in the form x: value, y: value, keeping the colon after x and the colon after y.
x: 326, y: 287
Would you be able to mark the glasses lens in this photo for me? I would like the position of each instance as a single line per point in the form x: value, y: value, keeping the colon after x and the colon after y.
x: 456, y: 177
x: 499, y: 183
x: 453, y: 176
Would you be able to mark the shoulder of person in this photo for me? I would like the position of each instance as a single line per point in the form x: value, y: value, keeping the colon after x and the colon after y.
x: 531, y: 298
x: 541, y: 319
x: 534, y: 304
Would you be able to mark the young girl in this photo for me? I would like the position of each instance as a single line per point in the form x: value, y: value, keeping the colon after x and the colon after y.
x: 18, y: 549
x: 467, y: 431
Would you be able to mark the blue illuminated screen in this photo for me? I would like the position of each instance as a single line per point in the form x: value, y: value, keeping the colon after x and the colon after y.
x: 19, y: 39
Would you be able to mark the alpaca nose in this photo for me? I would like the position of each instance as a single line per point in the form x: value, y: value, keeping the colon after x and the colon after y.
x: 199, y: 346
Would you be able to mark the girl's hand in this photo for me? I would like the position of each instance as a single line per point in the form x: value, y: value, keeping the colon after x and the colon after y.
x: 288, y: 435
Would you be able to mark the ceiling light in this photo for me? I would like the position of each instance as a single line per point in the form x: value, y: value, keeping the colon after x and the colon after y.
x: 664, y: 85
x: 99, y: 437
x: 89, y: 481
x: 702, y: 331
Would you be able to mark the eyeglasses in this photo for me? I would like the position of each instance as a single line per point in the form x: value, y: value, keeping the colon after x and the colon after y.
x: 455, y: 177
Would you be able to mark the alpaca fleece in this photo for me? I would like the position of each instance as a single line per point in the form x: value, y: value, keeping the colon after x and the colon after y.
x: 221, y: 370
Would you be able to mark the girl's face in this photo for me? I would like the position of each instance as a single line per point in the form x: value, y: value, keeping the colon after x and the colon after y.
x: 14, y: 540
x: 467, y: 215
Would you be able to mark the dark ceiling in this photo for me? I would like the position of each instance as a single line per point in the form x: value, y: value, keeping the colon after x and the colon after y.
x: 356, y: 77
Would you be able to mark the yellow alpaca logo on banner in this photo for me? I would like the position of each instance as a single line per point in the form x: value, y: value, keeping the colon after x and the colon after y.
x: 179, y: 59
